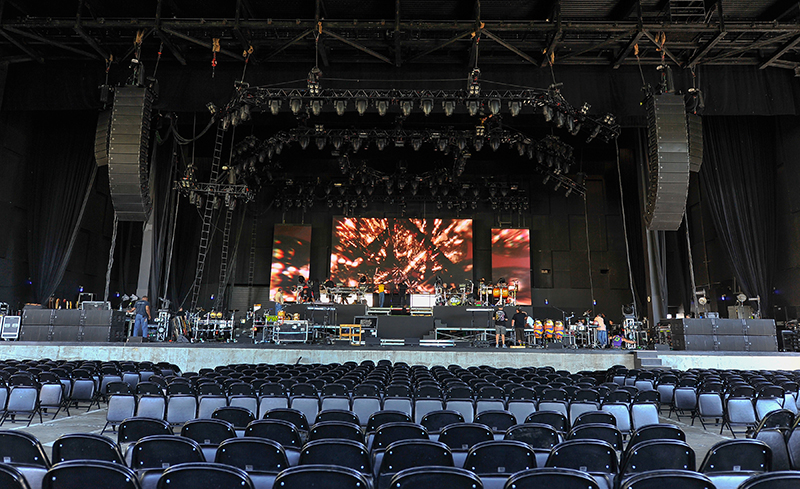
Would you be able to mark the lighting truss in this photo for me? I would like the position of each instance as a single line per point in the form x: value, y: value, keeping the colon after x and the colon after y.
x: 550, y: 102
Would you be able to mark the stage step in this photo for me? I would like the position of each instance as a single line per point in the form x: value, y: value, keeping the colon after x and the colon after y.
x: 645, y: 359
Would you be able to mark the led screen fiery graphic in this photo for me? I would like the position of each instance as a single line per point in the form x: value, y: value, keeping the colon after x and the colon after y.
x: 511, y: 259
x: 390, y: 250
x: 291, y: 254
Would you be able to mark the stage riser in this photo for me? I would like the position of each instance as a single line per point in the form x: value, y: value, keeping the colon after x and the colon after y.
x: 194, y: 358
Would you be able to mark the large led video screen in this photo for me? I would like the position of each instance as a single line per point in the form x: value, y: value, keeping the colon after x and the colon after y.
x: 388, y: 251
x: 291, y: 255
x: 511, y: 260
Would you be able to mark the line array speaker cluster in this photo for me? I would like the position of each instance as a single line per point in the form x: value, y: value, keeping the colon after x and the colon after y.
x: 668, y: 162
x: 129, y: 153
x: 724, y: 334
x: 70, y: 325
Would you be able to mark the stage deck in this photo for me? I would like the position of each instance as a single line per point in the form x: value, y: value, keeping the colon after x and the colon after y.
x: 194, y: 356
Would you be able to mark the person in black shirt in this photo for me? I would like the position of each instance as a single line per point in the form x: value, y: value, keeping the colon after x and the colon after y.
x: 518, y: 321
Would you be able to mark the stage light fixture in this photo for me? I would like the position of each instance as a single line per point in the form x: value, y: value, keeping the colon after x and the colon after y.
x: 337, y: 142
x: 313, y: 81
x: 477, y: 142
x: 321, y: 141
x: 357, y: 143
x: 472, y: 107
x: 416, y: 143
x: 540, y: 157
x: 609, y: 119
x: 521, y: 148
x: 382, y: 106
x: 427, y: 106
x: 561, y: 119
x: 442, y: 144
x: 303, y: 140
x: 494, y: 106
x: 278, y: 147
x: 461, y: 142
x: 593, y: 134
x: 244, y: 113
x: 316, y: 106
x: 295, y: 104
x: 234, y: 117
x: 406, y: 106
x: 515, y: 107
x: 576, y: 127
x: 546, y: 179
x: 495, y: 143
x: 547, y: 111
x: 569, y: 192
x: 361, y: 106
x: 340, y: 106
x: 473, y: 83
x: 449, y: 107
x: 380, y: 143
x: 275, y: 106
x: 585, y: 108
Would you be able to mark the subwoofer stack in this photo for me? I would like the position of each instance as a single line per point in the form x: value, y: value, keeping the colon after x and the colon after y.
x: 723, y: 334
x: 668, y: 162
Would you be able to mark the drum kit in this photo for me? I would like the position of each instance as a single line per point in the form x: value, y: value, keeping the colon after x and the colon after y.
x: 460, y: 295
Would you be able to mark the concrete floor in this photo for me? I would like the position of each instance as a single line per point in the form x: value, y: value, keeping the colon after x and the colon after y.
x: 82, y: 421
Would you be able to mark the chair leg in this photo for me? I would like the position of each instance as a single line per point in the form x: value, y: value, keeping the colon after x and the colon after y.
x: 104, y: 428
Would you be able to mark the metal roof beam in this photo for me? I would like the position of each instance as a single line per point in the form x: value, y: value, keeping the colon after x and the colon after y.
x: 699, y: 55
x: 51, y: 42
x: 510, y: 47
x: 664, y: 48
x: 625, y: 52
x: 25, y: 49
x: 623, y: 9
x: 781, y: 10
x: 550, y: 51
x: 777, y: 54
x: 356, y: 45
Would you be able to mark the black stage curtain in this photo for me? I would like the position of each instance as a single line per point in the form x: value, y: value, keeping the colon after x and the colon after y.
x: 738, y: 177
x: 162, y: 169
x: 63, y: 169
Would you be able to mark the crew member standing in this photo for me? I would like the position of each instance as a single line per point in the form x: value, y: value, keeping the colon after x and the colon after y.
x: 279, y: 300
x: 602, y: 333
x: 499, y: 327
x: 518, y: 321
x: 381, y: 294
x: 142, y: 309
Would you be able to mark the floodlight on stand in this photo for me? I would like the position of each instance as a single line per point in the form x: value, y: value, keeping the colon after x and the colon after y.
x: 382, y: 106
x: 472, y: 107
x: 340, y: 106
x: 494, y: 106
x: 449, y: 107
x: 427, y: 106
x: 515, y: 106
x: 316, y: 106
x: 275, y: 106
x: 406, y: 106
x: 295, y: 104
x: 361, y: 106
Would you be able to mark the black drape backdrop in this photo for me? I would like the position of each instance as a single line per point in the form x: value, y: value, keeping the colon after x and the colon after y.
x: 63, y: 167
x: 162, y: 166
x: 738, y: 177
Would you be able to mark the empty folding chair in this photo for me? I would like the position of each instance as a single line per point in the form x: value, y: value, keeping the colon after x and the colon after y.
x: 434, y: 421
x: 86, y: 446
x: 98, y: 474
x: 377, y: 419
x: 120, y: 407
x: 643, y: 414
x: 11, y: 478
x: 365, y: 406
x: 331, y: 476
x: 204, y: 475
x: 83, y: 390
x: 552, y: 478
x: 494, y: 461
x: 597, y: 457
x: 209, y: 433
x: 554, y: 400
x: 621, y: 413
x: 739, y: 411
x: 594, y: 417
x: 773, y: 480
x: 450, y: 477
x: 521, y: 403
x: 498, y: 421
x: 24, y: 452
x: 51, y: 397
x: 207, y: 404
x: 541, y: 437
x: 239, y: 417
x: 775, y: 439
x: 781, y: 419
x: 656, y: 455
x: 603, y: 432
x: 342, y: 453
x: 336, y: 429
x: 262, y: 460
x: 425, y: 405
x: 658, y: 479
x: 151, y: 406
x: 769, y: 398
x: 245, y: 401
x: 731, y: 462
x: 460, y: 437
x: 490, y: 398
x: 297, y: 418
x: 180, y: 408
x: 337, y: 415
x: 132, y: 430
x: 308, y: 405
x: 557, y: 420
x: 684, y: 401
x: 405, y: 454
x: 152, y: 454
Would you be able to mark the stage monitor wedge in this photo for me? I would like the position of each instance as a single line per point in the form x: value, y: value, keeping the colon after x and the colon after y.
x: 668, y: 162
x: 129, y: 153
